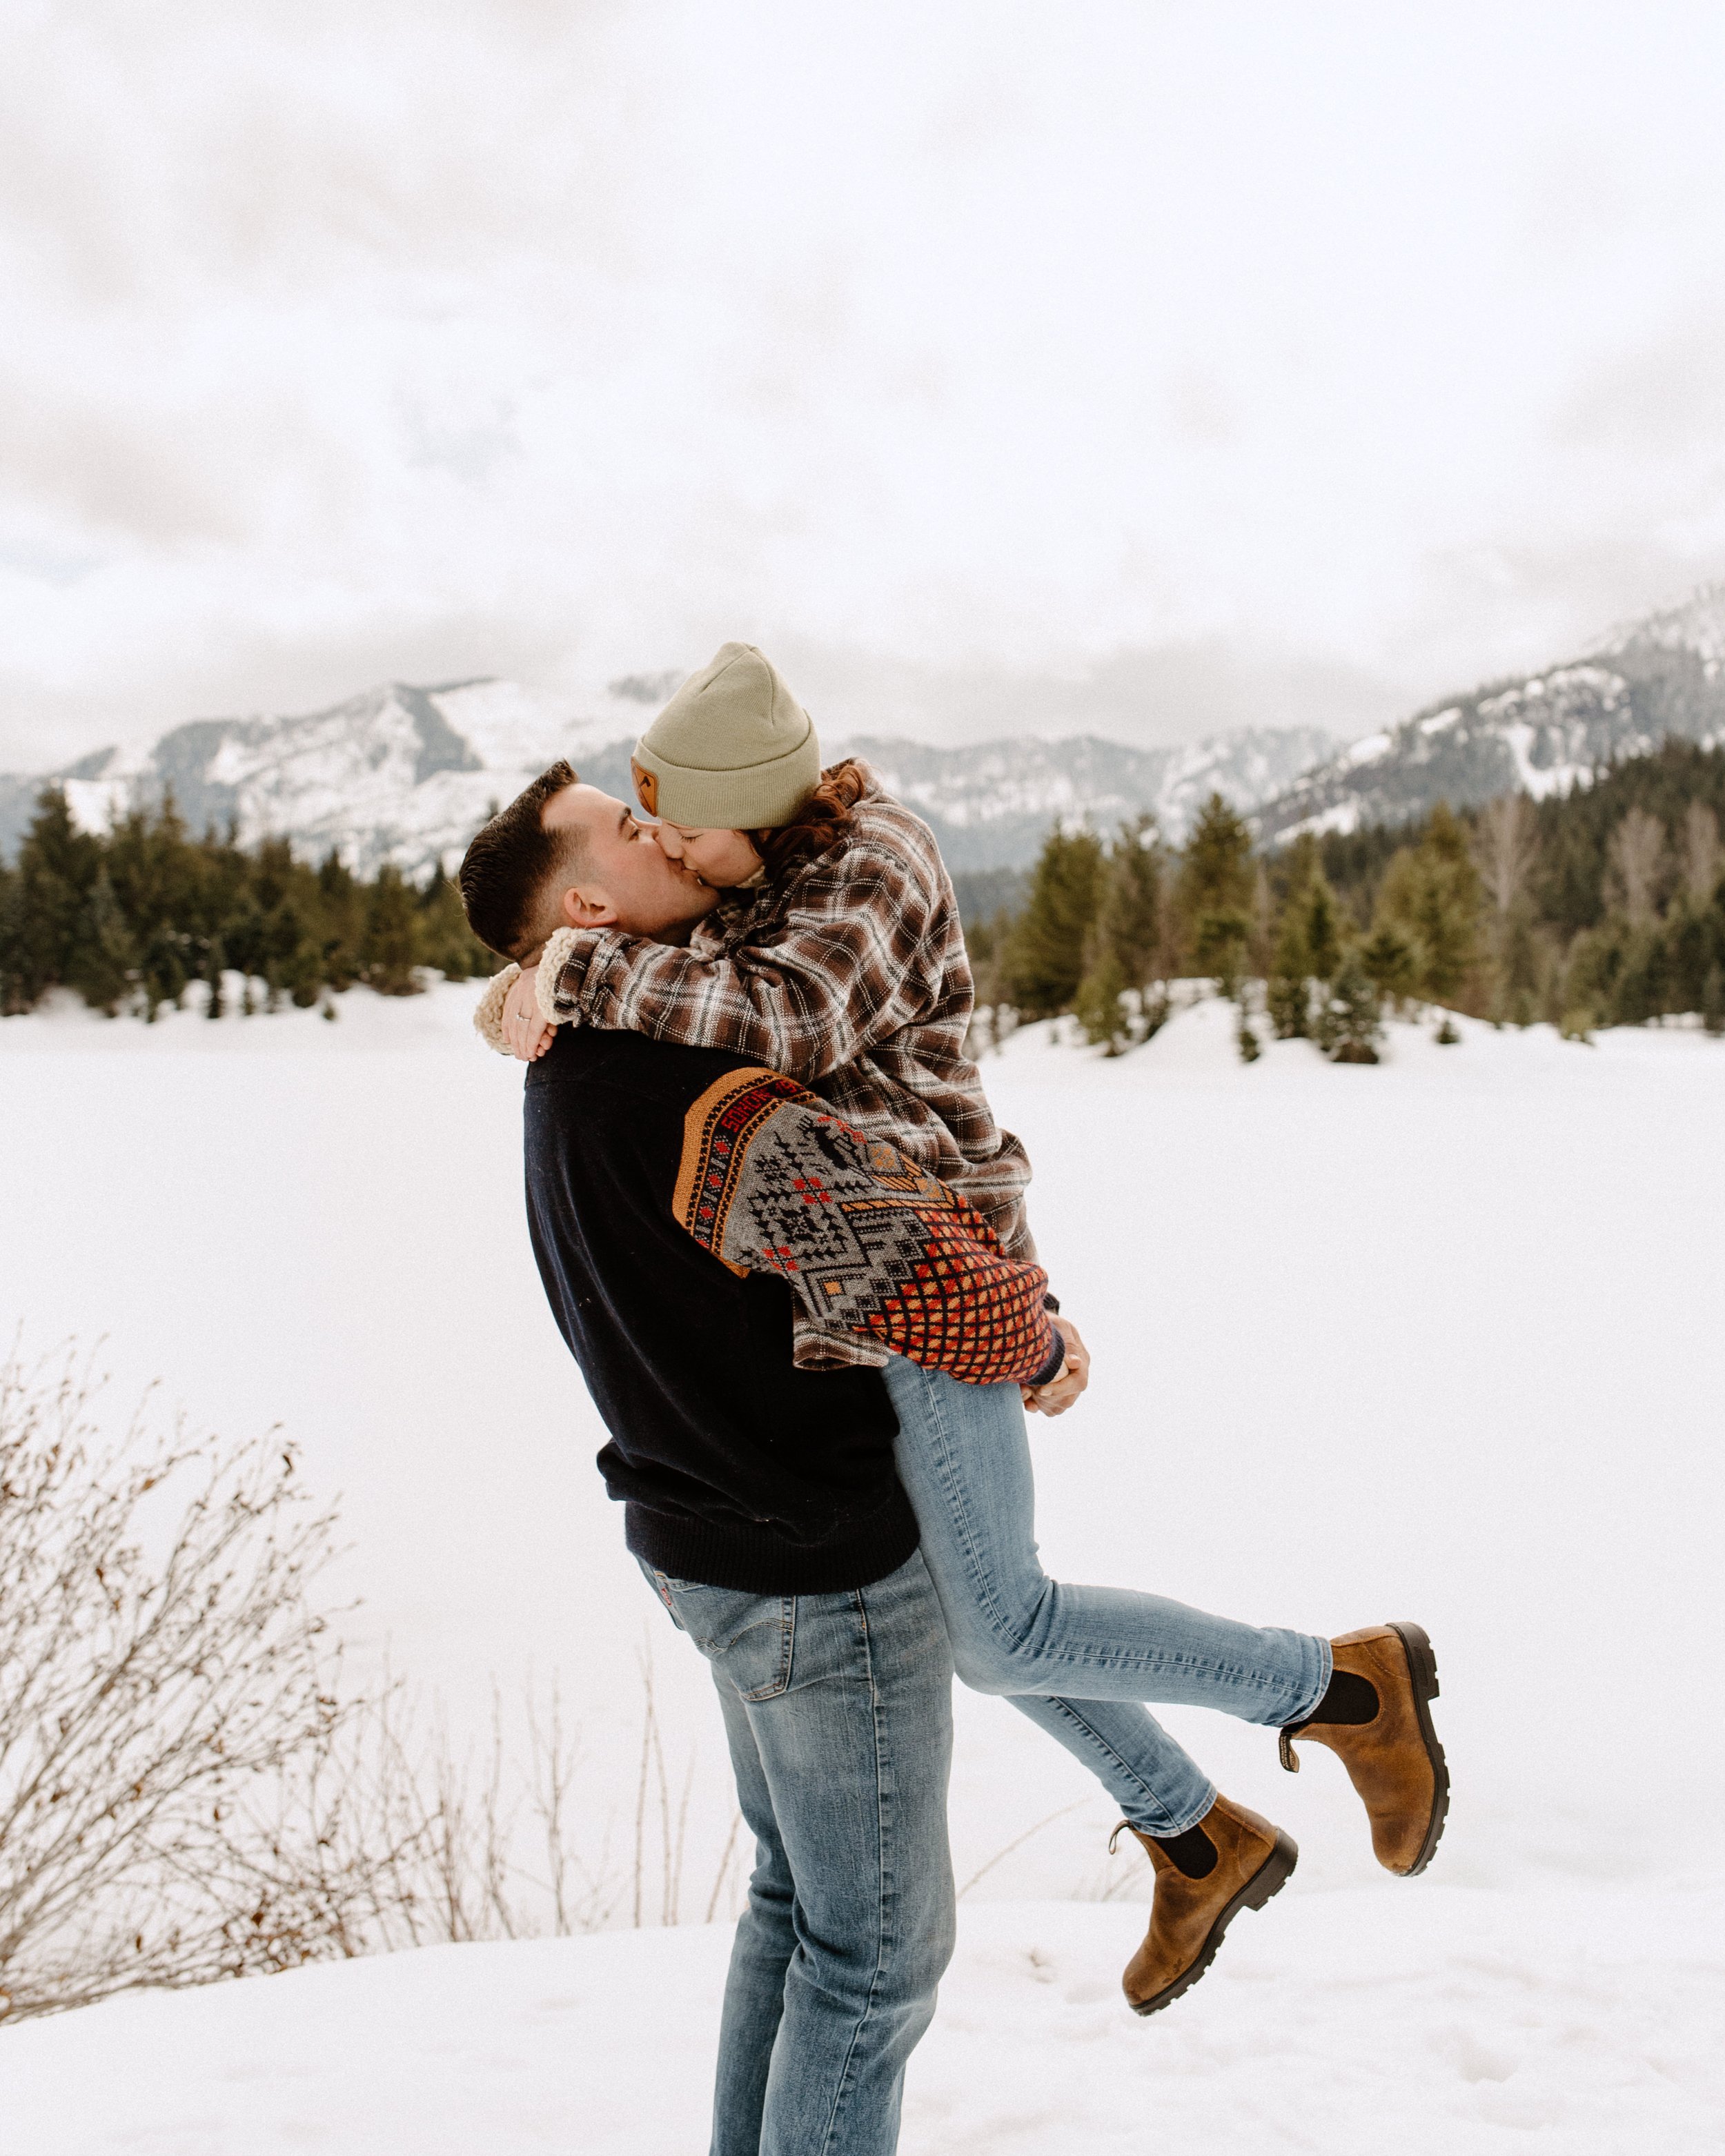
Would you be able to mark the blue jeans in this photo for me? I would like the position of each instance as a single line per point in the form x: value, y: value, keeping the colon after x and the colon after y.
x: 1078, y: 1660
x: 839, y: 1709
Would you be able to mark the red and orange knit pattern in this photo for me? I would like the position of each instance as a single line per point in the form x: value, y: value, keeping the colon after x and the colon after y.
x: 873, y: 1247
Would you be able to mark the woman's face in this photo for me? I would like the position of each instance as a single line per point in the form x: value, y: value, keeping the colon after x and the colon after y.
x: 722, y: 859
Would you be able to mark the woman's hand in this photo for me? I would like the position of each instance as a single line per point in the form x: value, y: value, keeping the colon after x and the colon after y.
x: 1055, y: 1397
x: 523, y: 1029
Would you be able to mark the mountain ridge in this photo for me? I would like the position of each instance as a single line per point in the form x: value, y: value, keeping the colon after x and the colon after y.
x: 405, y: 774
x: 1537, y: 733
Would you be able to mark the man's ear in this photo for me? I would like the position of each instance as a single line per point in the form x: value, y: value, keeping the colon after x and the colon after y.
x: 587, y: 907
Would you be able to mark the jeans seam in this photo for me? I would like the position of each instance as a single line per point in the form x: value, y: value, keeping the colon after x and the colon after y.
x: 1009, y: 1638
x: 985, y: 1596
x: 882, y: 1807
x: 778, y: 1685
x: 1132, y: 1662
x: 1101, y: 1743
x: 1326, y: 1670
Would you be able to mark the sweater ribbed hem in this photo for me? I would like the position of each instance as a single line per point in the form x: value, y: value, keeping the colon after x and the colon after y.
x: 757, y: 1561
x: 1053, y: 1367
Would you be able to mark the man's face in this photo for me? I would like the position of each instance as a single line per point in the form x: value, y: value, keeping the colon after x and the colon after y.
x: 621, y: 879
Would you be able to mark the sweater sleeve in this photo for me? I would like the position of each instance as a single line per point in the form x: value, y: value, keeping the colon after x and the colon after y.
x: 840, y: 972
x: 871, y: 1246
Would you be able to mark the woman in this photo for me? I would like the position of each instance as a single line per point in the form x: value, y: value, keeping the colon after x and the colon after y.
x: 837, y: 959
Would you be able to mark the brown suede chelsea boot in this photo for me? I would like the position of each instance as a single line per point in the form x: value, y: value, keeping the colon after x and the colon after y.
x: 1252, y: 1860
x: 1392, y: 1754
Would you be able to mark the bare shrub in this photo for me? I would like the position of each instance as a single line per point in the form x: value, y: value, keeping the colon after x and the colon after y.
x: 189, y: 1791
x: 168, y: 1727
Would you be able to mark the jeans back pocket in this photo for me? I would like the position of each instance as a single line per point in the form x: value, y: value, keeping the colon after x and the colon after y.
x: 749, y: 1639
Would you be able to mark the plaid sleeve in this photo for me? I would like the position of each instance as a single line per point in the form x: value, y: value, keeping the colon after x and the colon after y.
x: 843, y: 969
x: 870, y: 1245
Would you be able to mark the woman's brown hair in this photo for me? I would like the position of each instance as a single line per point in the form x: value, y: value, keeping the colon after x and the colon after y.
x: 821, y: 822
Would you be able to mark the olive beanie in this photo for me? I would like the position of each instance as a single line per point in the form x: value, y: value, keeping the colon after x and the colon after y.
x: 733, y: 750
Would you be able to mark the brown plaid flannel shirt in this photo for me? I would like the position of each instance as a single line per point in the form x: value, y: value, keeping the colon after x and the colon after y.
x: 851, y: 975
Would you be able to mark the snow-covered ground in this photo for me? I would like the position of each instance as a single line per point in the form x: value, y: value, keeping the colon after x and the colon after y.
x: 1348, y: 2024
x: 1440, y: 1338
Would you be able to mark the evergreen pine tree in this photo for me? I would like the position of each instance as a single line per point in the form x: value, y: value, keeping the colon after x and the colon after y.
x: 1130, y: 926
x: 1323, y: 929
x: 57, y: 868
x: 1516, y: 999
x: 389, y: 950
x: 1712, y: 1000
x: 984, y: 944
x: 162, y: 972
x: 1390, y: 962
x: 445, y: 939
x: 1431, y: 894
x: 1287, y: 990
x: 215, y: 964
x: 12, y: 992
x: 1214, y: 893
x: 1098, y: 1005
x: 1307, y: 953
x: 1349, y: 1023
x: 1044, y: 957
x: 340, y: 922
x: 1124, y: 947
x: 1261, y: 943
x: 103, y: 965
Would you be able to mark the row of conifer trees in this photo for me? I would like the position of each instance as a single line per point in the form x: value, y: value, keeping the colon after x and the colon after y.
x: 135, y: 917
x: 1606, y: 907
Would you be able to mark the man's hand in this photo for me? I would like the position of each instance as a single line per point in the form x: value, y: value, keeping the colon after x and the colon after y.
x: 526, y: 1031
x: 1055, y: 1397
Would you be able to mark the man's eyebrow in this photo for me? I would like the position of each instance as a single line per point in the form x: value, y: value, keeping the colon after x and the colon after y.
x: 622, y: 817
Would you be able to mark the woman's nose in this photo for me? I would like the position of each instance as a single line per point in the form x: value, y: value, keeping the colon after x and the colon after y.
x: 670, y: 845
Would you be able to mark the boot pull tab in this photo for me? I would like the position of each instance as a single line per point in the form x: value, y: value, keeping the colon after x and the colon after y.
x: 1121, y: 1829
x: 1290, y: 1756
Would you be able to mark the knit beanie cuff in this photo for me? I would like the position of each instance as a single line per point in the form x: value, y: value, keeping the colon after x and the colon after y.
x: 759, y: 798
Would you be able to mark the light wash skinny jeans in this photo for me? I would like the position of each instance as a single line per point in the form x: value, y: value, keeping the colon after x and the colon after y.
x: 838, y: 1710
x: 1079, y: 1661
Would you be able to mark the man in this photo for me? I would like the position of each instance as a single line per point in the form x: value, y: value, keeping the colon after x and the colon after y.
x: 761, y: 1498
x: 641, y: 1154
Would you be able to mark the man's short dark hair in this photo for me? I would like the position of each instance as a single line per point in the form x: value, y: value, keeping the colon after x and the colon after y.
x: 507, y: 872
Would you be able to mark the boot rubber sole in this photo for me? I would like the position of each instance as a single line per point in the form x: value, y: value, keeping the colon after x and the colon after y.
x: 1422, y: 1667
x: 1269, y: 1879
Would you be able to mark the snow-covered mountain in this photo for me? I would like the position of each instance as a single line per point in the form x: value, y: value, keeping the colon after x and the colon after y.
x: 991, y: 805
x: 1543, y: 733
x: 407, y: 774
x: 398, y: 773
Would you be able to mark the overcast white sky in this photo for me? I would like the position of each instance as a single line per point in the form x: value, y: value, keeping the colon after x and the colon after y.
x: 1003, y: 366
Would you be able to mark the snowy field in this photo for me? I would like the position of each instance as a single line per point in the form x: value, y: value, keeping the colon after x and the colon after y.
x: 1440, y: 1339
x: 1462, y: 2023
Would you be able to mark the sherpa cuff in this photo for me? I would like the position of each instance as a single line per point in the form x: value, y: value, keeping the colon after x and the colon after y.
x: 552, y: 959
x: 488, y: 1012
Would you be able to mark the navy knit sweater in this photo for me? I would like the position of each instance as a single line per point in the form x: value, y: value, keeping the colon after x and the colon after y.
x: 737, y: 1468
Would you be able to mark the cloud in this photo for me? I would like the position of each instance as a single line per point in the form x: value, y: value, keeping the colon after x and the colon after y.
x: 1665, y: 398
x: 1149, y: 697
x: 1134, y: 367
